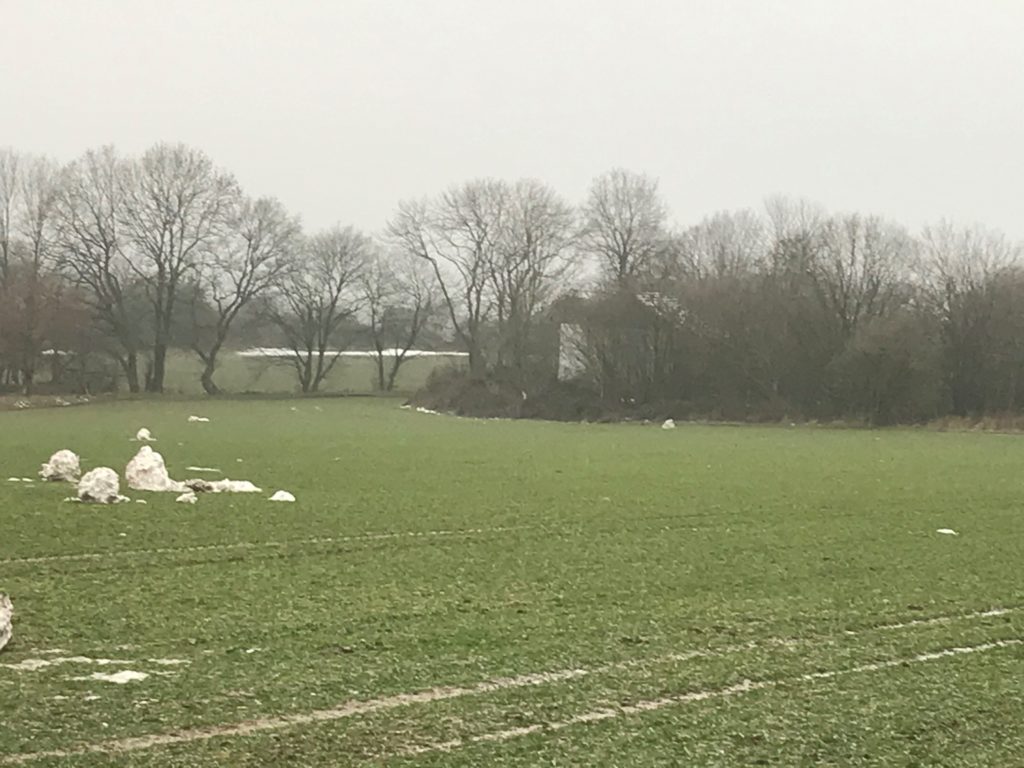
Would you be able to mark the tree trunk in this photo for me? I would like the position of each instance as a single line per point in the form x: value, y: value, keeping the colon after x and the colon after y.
x: 155, y: 382
x: 131, y: 372
x: 381, y: 385
x: 393, y: 374
x: 206, y: 379
x: 477, y: 364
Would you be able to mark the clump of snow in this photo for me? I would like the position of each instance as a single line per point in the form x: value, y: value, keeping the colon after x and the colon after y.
x: 234, y: 486
x: 668, y: 424
x: 6, y: 619
x: 282, y: 496
x: 189, y: 497
x: 947, y: 531
x: 100, y: 485
x: 147, y: 472
x: 144, y: 436
x: 22, y: 404
x: 122, y: 677
x: 221, y: 486
x: 421, y: 409
x: 63, y: 466
x: 202, y: 469
x: 198, y: 419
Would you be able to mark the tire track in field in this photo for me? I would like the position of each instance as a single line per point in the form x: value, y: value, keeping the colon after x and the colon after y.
x: 258, y: 545
x: 653, y: 705
x: 357, y: 707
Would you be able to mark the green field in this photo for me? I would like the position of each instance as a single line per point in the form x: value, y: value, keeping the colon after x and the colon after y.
x: 451, y: 592
x: 240, y: 375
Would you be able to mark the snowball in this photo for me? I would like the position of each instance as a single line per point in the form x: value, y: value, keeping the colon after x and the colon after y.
x: 189, y: 497
x: 144, y: 436
x: 282, y: 496
x: 668, y: 424
x: 199, y: 419
x: 6, y: 619
x: 63, y: 466
x: 147, y: 472
x: 101, y: 485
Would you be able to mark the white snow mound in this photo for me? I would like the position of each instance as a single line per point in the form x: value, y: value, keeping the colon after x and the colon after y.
x: 144, y: 436
x: 198, y: 419
x: 234, y: 486
x: 189, y: 497
x: 63, y: 466
x: 147, y: 472
x: 100, y: 485
x: 6, y: 619
x: 668, y: 424
x: 282, y: 496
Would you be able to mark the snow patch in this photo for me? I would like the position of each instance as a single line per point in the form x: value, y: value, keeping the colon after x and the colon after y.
x: 63, y: 466
x: 101, y: 485
x: 201, y: 469
x: 947, y: 532
x: 198, y: 420
x: 282, y: 496
x: 122, y: 677
x: 32, y: 665
x: 668, y: 424
x: 6, y: 620
x: 144, y: 436
x: 189, y: 497
x: 233, y: 486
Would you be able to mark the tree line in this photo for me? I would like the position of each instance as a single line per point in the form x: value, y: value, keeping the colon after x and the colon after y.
x: 785, y: 310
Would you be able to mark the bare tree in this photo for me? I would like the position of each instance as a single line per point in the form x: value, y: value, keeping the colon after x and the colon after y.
x: 459, y: 234
x: 860, y: 269
x: 400, y: 299
x: 9, y: 184
x: 314, y: 299
x: 727, y: 244
x: 174, y: 213
x: 90, y: 243
x: 962, y: 273
x: 37, y: 293
x: 623, y: 224
x: 259, y: 242
x: 533, y: 259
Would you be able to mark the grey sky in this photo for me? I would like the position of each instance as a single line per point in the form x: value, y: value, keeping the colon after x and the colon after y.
x: 913, y: 109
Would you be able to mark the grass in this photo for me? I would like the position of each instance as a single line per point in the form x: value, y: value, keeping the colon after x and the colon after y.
x: 426, y: 551
x: 238, y: 374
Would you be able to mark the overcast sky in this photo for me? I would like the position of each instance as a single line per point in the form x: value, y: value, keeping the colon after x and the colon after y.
x: 912, y: 109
